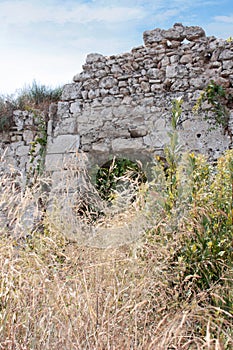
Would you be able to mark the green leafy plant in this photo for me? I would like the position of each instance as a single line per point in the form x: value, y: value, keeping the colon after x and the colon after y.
x: 219, y: 100
x: 34, y: 96
x: 194, y: 198
x: 206, y: 255
x: 109, y: 175
x: 165, y: 171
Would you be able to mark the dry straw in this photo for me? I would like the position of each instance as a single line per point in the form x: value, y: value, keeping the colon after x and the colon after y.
x: 59, y: 290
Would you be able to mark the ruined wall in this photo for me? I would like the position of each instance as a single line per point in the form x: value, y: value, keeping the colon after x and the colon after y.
x: 18, y: 146
x: 121, y: 105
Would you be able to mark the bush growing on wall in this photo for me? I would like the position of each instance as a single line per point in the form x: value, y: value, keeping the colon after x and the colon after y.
x: 34, y: 96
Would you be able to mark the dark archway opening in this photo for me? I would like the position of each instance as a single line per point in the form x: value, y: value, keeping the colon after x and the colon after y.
x: 119, y: 175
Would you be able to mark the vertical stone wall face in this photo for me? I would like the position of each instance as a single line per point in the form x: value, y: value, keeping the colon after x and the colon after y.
x: 121, y: 105
x: 16, y: 144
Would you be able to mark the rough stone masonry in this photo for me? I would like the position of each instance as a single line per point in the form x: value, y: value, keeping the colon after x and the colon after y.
x: 121, y: 105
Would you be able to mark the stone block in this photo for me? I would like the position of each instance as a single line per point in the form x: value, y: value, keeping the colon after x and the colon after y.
x: 54, y: 162
x: 71, y: 91
x: 63, y: 144
x: 94, y: 57
x: 63, y: 110
x: 100, y: 147
x: 186, y: 59
x: 108, y: 82
x: 171, y: 71
x: 226, y: 55
x: 138, y: 132
x: 66, y: 126
x: 156, y: 139
x: 194, y: 33
x: 127, y: 145
x: 28, y: 136
x: 22, y: 150
x: 75, y: 108
x: 152, y: 36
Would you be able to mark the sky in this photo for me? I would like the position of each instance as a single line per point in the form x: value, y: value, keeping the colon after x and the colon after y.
x: 48, y: 40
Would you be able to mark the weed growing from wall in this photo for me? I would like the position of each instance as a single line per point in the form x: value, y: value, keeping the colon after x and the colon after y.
x: 38, y: 95
x: 165, y: 171
x: 219, y: 99
x: 34, y: 96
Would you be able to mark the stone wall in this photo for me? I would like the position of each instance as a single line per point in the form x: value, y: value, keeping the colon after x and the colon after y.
x: 121, y: 105
x: 18, y: 146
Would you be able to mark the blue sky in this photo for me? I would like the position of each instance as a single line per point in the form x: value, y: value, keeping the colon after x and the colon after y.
x: 48, y: 40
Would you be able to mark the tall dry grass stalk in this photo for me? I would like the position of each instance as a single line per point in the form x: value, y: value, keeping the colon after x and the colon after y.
x: 58, y: 291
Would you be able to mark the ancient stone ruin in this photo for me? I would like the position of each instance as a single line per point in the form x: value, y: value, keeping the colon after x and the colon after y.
x: 121, y: 105
x: 117, y: 107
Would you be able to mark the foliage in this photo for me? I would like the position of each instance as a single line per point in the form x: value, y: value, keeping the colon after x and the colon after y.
x: 172, y: 289
x: 34, y: 96
x: 161, y: 292
x: 195, y: 198
x: 109, y: 176
x: 6, y: 113
x: 173, y: 154
x: 207, y: 248
x: 219, y: 99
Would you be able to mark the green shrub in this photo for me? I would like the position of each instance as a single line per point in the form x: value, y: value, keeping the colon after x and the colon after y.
x: 7, y: 105
x: 117, y: 173
x: 193, y: 199
x: 219, y: 100
x: 34, y: 96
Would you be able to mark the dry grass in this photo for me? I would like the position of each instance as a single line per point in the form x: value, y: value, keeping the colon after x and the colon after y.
x: 56, y: 293
x: 32, y: 97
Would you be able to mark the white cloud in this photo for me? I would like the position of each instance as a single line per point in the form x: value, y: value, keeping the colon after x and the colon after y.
x: 224, y: 19
x: 221, y: 30
x: 26, y: 12
x: 166, y: 15
x: 220, y: 26
x: 49, y: 39
x: 46, y: 70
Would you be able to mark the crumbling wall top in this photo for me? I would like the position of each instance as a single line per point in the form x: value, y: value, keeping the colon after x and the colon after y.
x: 178, y: 33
